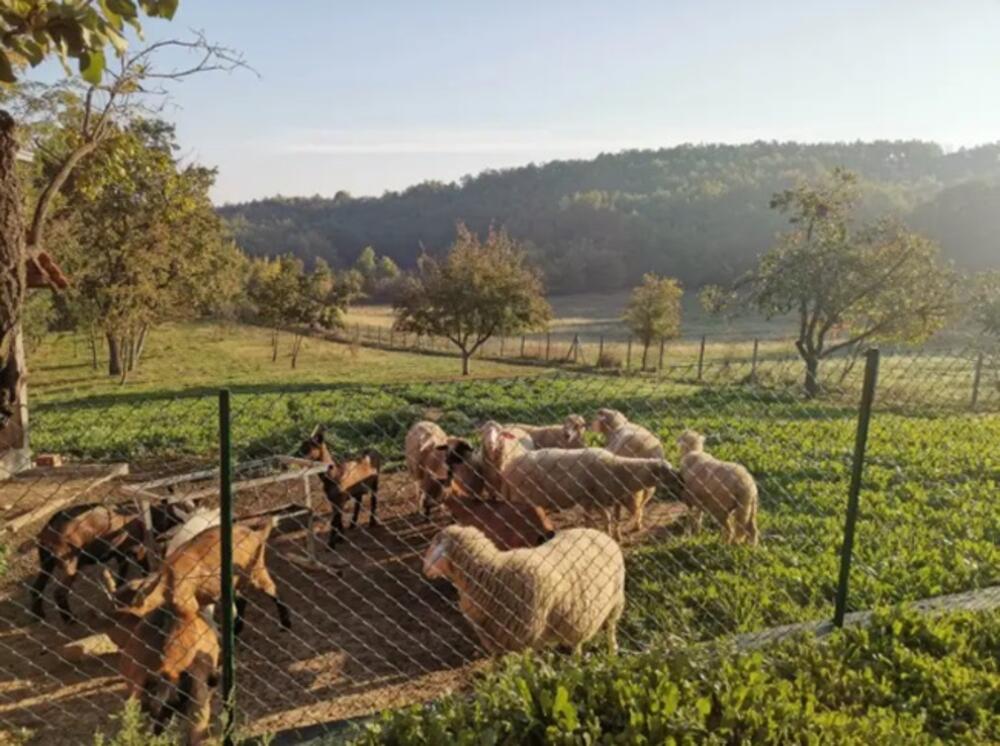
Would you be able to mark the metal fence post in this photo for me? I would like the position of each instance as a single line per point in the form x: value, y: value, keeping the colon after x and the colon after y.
x: 701, y: 356
x: 226, y: 526
x: 976, y: 381
x: 860, y: 446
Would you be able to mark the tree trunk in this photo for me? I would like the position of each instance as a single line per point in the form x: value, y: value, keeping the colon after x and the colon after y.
x: 13, y: 280
x: 296, y: 346
x: 274, y: 345
x: 140, y: 343
x: 465, y: 363
x: 812, y: 376
x: 93, y: 350
x: 114, y: 356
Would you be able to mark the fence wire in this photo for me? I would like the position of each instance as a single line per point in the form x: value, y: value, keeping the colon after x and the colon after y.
x: 336, y: 534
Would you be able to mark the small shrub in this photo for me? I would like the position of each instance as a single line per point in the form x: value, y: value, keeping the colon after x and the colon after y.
x: 134, y: 729
x: 609, y: 360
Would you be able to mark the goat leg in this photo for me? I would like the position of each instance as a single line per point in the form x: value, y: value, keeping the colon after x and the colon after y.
x: 373, y: 517
x: 47, y: 564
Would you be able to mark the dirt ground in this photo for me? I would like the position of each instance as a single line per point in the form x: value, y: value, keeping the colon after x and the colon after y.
x: 369, y: 631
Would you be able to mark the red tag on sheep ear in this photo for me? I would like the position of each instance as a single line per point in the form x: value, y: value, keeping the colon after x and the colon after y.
x: 508, y: 436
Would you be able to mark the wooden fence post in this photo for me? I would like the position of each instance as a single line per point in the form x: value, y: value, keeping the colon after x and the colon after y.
x: 380, y: 336
x: 600, y: 350
x: 701, y: 357
x: 753, y: 362
x: 628, y: 355
x: 576, y: 349
x: 548, y: 345
x: 663, y: 343
x: 977, y: 380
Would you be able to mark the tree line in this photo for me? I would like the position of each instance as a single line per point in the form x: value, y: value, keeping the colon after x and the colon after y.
x: 697, y: 213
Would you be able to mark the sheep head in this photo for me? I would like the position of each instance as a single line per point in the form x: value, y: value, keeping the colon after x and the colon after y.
x: 574, y: 428
x: 691, y: 442
x: 436, y: 563
x: 608, y: 421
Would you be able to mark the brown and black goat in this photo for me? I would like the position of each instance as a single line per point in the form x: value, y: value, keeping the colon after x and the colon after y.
x: 349, y: 479
x: 89, y: 534
x: 190, y: 578
x: 169, y: 660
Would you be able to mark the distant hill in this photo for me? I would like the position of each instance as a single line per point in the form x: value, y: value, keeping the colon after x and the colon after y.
x: 699, y: 213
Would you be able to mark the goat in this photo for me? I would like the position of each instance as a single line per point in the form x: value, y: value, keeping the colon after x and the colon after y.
x: 190, y: 578
x: 82, y: 535
x: 350, y: 479
x: 162, y: 649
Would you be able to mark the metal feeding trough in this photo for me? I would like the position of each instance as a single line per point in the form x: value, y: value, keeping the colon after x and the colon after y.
x: 247, y: 475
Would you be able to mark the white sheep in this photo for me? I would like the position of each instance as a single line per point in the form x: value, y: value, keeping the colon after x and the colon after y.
x: 496, y: 450
x: 591, y: 478
x: 570, y: 434
x: 427, y: 447
x: 624, y: 438
x: 561, y: 593
x: 200, y: 520
x: 725, y: 490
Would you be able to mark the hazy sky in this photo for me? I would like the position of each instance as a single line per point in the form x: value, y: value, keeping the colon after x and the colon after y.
x: 368, y: 96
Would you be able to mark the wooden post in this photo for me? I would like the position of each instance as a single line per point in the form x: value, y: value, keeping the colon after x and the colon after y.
x: 600, y: 349
x: 548, y: 345
x: 576, y: 349
x: 977, y: 380
x: 663, y: 343
x: 522, y: 346
x: 753, y: 362
x: 628, y: 355
x: 379, y: 336
x: 701, y: 357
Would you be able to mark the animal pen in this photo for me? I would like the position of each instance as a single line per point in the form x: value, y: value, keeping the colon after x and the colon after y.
x: 880, y: 490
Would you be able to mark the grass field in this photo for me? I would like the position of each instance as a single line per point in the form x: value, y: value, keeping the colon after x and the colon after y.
x: 929, y: 521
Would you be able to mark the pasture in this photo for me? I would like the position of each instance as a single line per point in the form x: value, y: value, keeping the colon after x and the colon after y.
x: 371, y: 633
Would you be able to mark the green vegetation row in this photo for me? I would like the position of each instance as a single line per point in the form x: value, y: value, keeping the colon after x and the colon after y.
x: 903, y: 679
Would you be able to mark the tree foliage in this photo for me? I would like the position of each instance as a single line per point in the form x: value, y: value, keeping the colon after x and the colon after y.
x: 480, y: 288
x: 986, y: 303
x: 654, y: 311
x: 697, y: 213
x: 142, y: 241
x: 285, y: 297
x: 846, y: 282
x: 32, y: 30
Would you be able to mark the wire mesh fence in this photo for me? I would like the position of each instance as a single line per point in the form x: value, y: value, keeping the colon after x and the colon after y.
x: 350, y: 599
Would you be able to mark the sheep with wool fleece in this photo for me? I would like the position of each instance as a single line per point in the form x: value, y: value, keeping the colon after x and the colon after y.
x: 725, y: 490
x: 624, y: 438
x: 561, y: 593
x: 570, y: 434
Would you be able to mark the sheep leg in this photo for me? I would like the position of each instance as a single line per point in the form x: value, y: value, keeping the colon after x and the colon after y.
x: 611, y: 625
x: 65, y: 578
x: 261, y: 579
x: 47, y: 564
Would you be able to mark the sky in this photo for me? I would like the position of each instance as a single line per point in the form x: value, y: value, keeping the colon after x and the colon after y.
x: 378, y: 95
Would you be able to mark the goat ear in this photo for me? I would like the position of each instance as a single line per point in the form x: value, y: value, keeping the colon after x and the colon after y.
x: 317, y: 434
x: 432, y: 560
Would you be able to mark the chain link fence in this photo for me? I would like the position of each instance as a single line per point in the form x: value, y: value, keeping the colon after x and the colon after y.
x: 367, y: 629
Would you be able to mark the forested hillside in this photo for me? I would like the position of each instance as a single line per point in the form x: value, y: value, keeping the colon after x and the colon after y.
x: 700, y: 213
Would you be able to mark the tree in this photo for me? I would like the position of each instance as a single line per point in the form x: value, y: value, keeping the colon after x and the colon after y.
x: 986, y: 303
x: 285, y: 296
x: 366, y: 263
x: 654, y: 311
x: 29, y: 33
x: 144, y: 244
x: 479, y: 289
x: 847, y: 283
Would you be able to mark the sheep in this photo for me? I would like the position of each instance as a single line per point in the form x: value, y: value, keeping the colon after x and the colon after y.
x: 88, y: 534
x: 725, y: 490
x: 427, y: 447
x: 561, y: 593
x: 164, y: 649
x: 350, y: 479
x: 591, y: 478
x: 507, y: 525
x: 624, y: 438
x: 496, y: 451
x: 190, y: 578
x: 570, y: 434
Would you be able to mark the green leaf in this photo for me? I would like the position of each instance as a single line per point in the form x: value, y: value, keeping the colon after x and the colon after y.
x: 92, y: 66
x: 123, y: 8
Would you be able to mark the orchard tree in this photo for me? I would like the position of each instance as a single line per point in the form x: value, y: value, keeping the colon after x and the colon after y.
x: 30, y: 32
x: 477, y: 290
x: 846, y: 283
x: 654, y: 311
x: 144, y: 244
